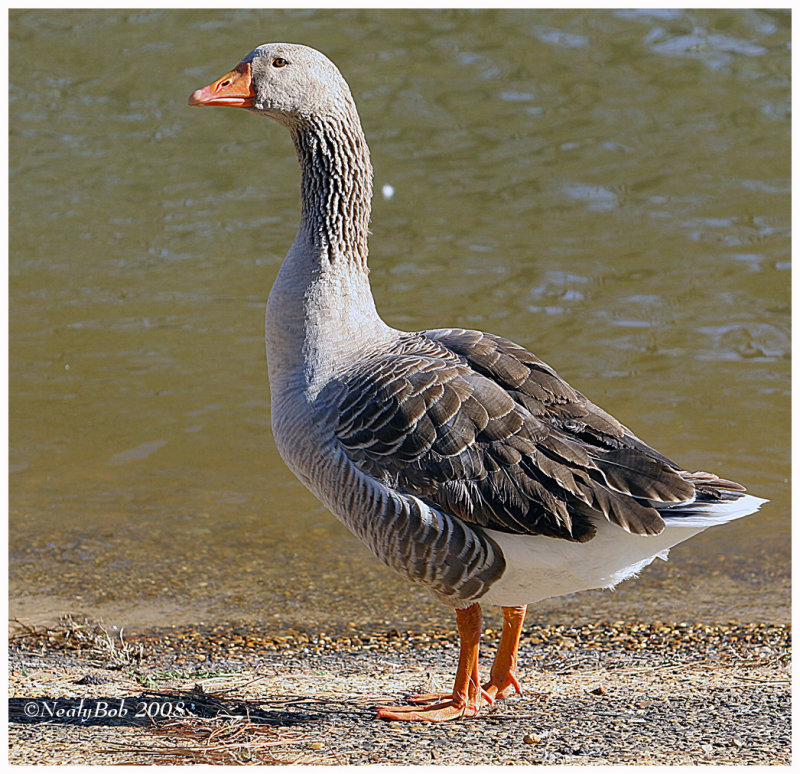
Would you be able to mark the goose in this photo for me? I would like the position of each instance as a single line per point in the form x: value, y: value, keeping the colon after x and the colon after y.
x: 462, y: 460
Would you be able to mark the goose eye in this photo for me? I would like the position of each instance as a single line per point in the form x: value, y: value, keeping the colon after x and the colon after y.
x: 279, y: 61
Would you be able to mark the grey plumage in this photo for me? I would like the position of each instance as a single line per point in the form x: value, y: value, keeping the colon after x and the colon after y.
x: 478, y: 426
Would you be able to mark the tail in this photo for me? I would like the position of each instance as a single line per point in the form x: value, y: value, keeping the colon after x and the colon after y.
x: 704, y: 513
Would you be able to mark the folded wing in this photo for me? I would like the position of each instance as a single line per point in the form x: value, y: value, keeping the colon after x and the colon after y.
x: 483, y: 429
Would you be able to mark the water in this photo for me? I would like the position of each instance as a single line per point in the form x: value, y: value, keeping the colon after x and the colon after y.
x: 609, y: 188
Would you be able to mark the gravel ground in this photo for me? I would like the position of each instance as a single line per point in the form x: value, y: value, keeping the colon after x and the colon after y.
x: 685, y: 693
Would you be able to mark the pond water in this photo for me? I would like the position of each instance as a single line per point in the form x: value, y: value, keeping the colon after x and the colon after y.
x: 609, y: 188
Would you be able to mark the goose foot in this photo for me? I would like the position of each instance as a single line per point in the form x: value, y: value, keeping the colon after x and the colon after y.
x: 450, y: 709
x: 436, y: 698
x: 506, y: 685
x: 467, y: 696
x: 503, y: 679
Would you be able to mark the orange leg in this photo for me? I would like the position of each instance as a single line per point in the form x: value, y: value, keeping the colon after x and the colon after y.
x: 503, y: 678
x: 467, y: 695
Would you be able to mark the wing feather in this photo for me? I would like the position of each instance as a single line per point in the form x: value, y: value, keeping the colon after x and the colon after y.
x: 483, y: 429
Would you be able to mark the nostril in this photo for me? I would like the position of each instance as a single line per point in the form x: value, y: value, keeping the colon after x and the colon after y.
x: 224, y: 84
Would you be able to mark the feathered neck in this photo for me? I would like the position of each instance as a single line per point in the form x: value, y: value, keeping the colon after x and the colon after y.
x: 336, y: 187
x: 321, y: 312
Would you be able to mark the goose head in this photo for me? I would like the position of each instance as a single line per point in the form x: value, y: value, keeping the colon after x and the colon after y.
x: 283, y: 81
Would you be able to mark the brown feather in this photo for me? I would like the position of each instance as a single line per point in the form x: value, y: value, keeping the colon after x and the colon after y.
x: 483, y: 429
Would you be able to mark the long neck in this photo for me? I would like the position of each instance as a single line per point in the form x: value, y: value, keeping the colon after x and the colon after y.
x: 321, y: 311
x: 336, y: 185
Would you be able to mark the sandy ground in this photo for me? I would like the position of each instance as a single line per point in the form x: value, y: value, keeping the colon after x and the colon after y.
x: 604, y: 693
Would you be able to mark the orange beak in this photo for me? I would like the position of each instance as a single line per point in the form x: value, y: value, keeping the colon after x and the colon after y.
x: 234, y: 89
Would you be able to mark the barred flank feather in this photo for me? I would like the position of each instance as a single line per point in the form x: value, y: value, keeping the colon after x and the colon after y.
x: 481, y: 428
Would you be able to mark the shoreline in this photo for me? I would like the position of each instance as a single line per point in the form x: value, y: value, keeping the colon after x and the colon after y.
x: 612, y: 692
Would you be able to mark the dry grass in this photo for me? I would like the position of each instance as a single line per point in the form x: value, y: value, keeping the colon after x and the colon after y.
x: 107, y: 650
x: 222, y: 740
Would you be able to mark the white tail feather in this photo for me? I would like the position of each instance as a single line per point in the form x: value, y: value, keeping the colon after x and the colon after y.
x: 705, y: 515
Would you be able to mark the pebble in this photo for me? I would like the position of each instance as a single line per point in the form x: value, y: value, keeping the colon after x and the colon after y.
x: 683, y: 684
x: 650, y: 640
